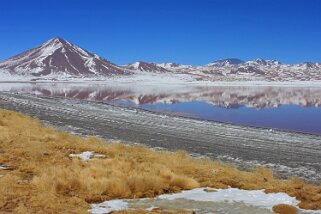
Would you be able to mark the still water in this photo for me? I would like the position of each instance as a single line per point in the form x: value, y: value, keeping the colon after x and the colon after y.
x: 288, y: 108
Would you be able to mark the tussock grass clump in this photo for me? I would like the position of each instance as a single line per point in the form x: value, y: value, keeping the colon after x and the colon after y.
x: 44, y: 178
x: 285, y: 209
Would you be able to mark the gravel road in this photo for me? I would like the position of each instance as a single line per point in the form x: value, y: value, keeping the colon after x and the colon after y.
x: 289, y: 154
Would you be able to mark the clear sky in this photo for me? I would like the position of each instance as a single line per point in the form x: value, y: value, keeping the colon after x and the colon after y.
x: 183, y: 31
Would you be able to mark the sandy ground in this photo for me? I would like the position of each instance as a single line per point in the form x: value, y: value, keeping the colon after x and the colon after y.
x: 289, y: 154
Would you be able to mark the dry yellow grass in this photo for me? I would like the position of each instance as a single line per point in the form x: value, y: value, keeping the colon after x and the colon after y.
x: 285, y: 209
x: 45, y: 179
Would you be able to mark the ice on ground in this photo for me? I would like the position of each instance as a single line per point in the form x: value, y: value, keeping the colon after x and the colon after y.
x: 253, y: 197
x: 109, y: 206
x: 229, y: 200
x: 87, y: 155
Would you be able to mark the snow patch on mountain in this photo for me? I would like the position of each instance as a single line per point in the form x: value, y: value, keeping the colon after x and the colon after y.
x: 146, y: 67
x: 58, y: 56
x: 60, y: 60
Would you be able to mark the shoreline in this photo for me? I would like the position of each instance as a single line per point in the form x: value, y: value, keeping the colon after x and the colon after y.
x: 193, y: 117
x: 287, y: 153
x: 179, y: 82
x: 66, y: 167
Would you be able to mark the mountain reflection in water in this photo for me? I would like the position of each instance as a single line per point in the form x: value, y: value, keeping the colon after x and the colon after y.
x: 290, y: 108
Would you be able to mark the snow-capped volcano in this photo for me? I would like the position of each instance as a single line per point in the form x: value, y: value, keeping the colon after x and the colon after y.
x: 226, y: 62
x: 263, y: 62
x: 146, y: 67
x: 157, y: 67
x: 59, y: 57
x: 173, y: 66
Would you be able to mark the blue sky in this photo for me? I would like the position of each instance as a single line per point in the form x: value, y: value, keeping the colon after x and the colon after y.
x: 184, y: 31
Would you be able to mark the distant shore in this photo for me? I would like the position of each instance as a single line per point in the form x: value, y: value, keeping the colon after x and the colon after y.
x: 155, y: 80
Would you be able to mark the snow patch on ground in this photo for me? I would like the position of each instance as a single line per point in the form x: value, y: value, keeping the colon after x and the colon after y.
x: 3, y: 167
x: 87, y: 155
x: 152, y: 79
x: 109, y: 206
x: 253, y: 197
x: 242, y: 199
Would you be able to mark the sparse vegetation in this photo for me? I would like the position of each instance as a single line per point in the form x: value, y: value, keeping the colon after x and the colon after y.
x: 43, y: 178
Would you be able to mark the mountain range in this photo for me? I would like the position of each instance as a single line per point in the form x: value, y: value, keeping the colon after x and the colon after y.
x: 59, y: 59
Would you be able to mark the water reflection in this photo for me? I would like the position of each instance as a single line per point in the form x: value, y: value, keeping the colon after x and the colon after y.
x: 222, y: 96
x: 276, y: 107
